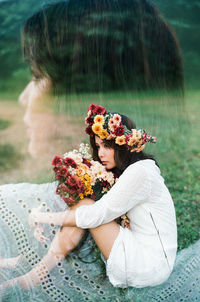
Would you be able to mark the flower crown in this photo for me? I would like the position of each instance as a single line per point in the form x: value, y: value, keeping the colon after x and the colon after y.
x: 109, y: 126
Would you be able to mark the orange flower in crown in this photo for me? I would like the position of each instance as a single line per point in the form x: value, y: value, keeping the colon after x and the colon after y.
x: 109, y: 126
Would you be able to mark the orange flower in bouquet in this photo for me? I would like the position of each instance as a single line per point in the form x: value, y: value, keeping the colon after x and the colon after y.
x: 79, y: 176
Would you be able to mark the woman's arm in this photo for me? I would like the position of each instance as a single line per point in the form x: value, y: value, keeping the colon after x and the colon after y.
x: 132, y: 188
x: 66, y: 218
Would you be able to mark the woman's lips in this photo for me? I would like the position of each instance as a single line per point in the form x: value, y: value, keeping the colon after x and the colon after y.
x: 104, y: 162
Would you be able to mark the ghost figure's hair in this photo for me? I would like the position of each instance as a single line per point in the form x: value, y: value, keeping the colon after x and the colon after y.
x: 103, y: 45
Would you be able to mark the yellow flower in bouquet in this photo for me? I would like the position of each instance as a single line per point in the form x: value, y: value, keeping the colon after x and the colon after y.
x: 78, y: 176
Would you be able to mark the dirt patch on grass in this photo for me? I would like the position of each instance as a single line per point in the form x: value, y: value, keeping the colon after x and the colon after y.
x: 26, y: 168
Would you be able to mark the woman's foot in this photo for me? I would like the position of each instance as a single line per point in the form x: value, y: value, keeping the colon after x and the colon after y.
x: 9, y: 262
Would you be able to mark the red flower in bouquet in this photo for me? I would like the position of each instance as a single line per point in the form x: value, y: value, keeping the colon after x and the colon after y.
x: 63, y: 187
x: 63, y: 171
x: 57, y: 161
x: 87, y: 162
x: 71, y: 180
x: 69, y: 200
x: 70, y: 162
x: 105, y: 184
x: 59, y: 177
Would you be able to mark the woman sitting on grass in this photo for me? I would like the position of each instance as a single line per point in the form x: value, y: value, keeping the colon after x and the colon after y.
x: 144, y: 253
x: 80, y: 46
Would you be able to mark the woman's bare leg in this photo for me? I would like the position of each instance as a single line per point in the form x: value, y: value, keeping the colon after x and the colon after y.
x: 104, y: 235
x: 63, y: 243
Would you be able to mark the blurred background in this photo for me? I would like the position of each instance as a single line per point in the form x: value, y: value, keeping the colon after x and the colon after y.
x: 176, y: 124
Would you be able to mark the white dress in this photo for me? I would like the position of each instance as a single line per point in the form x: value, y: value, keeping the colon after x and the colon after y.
x: 143, y: 255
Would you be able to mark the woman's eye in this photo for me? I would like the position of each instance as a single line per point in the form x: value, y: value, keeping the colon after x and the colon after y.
x: 36, y: 77
x: 106, y: 145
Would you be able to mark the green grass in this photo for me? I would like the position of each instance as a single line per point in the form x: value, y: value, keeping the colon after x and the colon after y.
x: 178, y: 150
x: 4, y: 124
x: 9, y: 157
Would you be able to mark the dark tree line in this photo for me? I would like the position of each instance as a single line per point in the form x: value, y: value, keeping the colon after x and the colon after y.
x: 183, y: 15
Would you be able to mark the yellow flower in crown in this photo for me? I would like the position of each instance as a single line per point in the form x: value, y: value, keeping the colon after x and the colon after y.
x: 132, y: 141
x: 103, y: 134
x: 140, y: 148
x: 99, y: 119
x: 120, y: 140
x: 97, y: 128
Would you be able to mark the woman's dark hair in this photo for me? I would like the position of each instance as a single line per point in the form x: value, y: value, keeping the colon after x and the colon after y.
x: 123, y: 157
x: 103, y: 45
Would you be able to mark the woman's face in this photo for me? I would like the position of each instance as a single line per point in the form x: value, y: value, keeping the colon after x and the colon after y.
x: 106, y: 154
x: 45, y: 128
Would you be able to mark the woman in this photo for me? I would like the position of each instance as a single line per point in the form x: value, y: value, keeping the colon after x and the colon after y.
x: 67, y: 52
x: 145, y: 254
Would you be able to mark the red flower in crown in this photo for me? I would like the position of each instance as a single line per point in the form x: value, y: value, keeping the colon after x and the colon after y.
x: 89, y: 120
x: 97, y: 109
x: 89, y: 131
x: 119, y: 131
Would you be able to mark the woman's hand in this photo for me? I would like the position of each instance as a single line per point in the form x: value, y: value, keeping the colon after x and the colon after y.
x: 66, y: 218
x: 33, y: 217
x: 38, y: 234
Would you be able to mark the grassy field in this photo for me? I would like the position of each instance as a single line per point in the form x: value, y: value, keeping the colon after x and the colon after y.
x: 176, y: 126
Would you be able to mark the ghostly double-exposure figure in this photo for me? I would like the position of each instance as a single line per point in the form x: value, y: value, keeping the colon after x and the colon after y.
x: 77, y: 48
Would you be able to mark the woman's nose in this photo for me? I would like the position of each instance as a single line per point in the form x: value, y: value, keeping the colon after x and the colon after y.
x: 101, y: 152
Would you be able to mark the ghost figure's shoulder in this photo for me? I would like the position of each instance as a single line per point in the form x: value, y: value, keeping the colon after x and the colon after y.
x: 32, y: 195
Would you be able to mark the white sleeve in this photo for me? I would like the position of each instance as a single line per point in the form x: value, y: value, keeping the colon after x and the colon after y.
x: 132, y: 187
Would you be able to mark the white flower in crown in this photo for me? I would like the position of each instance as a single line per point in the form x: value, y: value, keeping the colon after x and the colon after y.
x: 117, y: 119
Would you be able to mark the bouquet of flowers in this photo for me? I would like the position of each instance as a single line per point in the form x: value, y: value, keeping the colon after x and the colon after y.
x: 79, y: 176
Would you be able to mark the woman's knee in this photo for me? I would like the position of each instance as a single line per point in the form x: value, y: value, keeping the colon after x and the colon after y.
x: 84, y: 201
